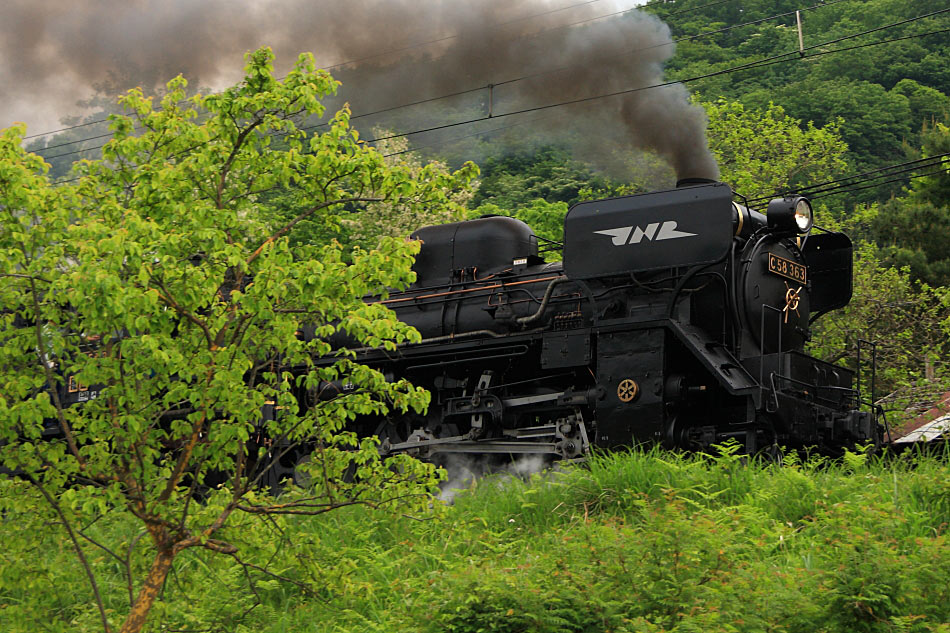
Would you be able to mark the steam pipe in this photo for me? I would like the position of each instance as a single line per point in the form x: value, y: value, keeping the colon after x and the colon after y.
x: 531, y: 318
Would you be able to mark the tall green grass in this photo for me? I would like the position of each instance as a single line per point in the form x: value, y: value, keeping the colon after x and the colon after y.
x: 642, y: 540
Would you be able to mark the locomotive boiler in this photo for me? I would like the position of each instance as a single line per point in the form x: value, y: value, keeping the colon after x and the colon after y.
x: 676, y: 317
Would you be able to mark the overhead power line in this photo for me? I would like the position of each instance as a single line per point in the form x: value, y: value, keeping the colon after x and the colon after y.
x: 682, y: 11
x: 781, y: 58
x: 843, y: 188
x: 65, y: 129
x: 768, y: 61
x: 885, y: 182
x: 687, y: 38
x: 865, y: 176
x: 461, y: 138
x: 515, y: 79
x: 881, y: 28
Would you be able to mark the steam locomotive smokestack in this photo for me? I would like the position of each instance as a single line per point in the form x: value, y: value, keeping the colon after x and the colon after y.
x: 689, y: 182
x: 535, y: 55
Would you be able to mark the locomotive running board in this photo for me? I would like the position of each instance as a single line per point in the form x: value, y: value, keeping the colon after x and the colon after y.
x: 575, y: 445
x: 487, y: 446
x: 719, y: 361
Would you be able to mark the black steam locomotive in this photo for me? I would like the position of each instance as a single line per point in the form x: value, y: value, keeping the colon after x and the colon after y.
x: 677, y: 317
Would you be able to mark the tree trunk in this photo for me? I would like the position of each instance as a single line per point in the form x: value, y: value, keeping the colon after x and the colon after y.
x: 149, y: 591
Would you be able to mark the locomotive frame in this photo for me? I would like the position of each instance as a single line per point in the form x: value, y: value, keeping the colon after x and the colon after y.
x: 677, y: 317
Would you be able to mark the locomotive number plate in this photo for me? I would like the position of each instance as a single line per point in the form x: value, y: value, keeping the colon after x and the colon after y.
x: 788, y: 269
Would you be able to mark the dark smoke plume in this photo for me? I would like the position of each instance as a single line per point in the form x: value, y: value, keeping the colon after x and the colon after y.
x: 54, y: 51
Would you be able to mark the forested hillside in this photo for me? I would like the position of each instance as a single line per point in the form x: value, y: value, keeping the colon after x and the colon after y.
x: 886, y: 86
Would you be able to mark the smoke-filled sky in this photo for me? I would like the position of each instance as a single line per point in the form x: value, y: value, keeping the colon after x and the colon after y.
x: 54, y: 54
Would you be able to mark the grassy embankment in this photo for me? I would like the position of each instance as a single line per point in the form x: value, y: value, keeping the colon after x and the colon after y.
x: 634, y: 542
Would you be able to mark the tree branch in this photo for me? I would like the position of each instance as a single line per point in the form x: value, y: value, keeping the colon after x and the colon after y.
x: 82, y: 557
x: 51, y: 380
x: 303, y: 586
x: 128, y: 564
x: 304, y: 216
x: 166, y: 296
x: 304, y: 507
x: 183, y: 458
x: 19, y: 276
x: 100, y: 545
x: 226, y: 168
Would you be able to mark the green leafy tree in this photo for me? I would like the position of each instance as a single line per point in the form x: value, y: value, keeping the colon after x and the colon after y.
x: 906, y: 321
x: 546, y: 219
x: 882, y: 90
x: 916, y: 236
x: 365, y: 224
x: 157, y: 282
x: 874, y: 121
x: 763, y: 152
x: 398, y: 219
x: 914, y: 230
x: 926, y: 104
x: 934, y: 185
x: 549, y: 174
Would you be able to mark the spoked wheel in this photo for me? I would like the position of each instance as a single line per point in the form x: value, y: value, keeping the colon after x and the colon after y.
x: 406, y: 428
x: 301, y: 476
x: 395, y: 430
x: 280, y: 465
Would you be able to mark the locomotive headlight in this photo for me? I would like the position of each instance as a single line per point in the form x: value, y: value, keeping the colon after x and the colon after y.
x: 803, y: 217
x: 790, y: 215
